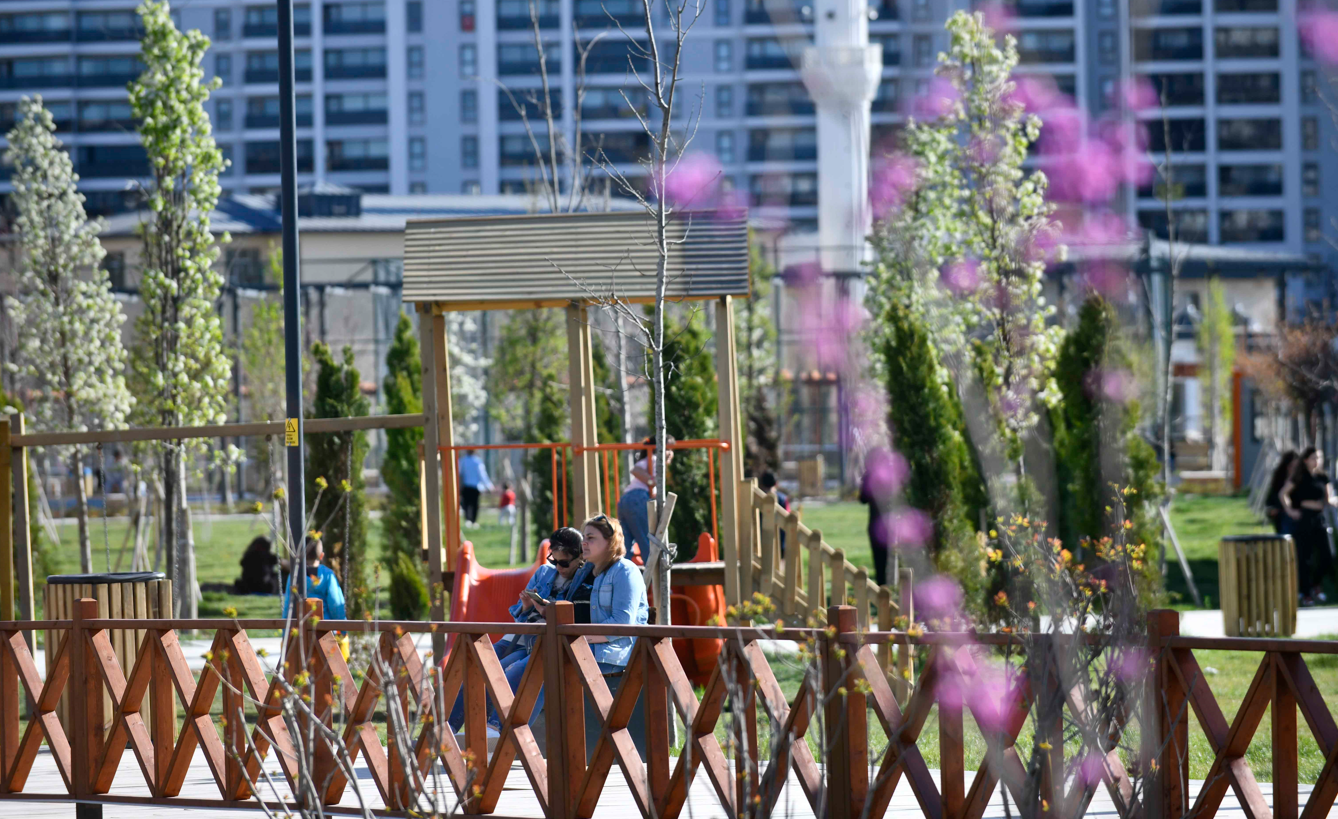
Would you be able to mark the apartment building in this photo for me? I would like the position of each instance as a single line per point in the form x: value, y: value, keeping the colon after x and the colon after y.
x: 425, y: 96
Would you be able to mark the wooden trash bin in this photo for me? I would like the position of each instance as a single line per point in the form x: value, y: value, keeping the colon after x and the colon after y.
x: 1257, y: 582
x: 812, y: 478
x: 120, y: 596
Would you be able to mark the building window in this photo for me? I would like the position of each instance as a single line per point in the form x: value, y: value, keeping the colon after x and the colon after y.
x: 413, y: 16
x: 114, y: 264
x: 223, y: 113
x: 1310, y: 179
x: 1168, y: 44
x: 724, y: 147
x: 1245, y: 89
x: 922, y: 49
x: 1309, y: 134
x: 1178, y: 89
x: 1249, y: 135
x: 223, y: 24
x: 417, y: 154
x: 1107, y: 48
x: 1249, y: 180
x: 1105, y: 9
x: 722, y: 13
x: 228, y: 165
x: 1253, y: 226
x: 1246, y: 42
x: 417, y: 188
x: 1190, y: 225
x: 1186, y: 135
x: 471, y: 187
x: 223, y: 67
x: 920, y: 10
x: 469, y: 105
x: 1309, y: 91
x: 466, y: 15
x: 469, y: 152
x: 414, y: 56
x: 417, y: 108
x: 1314, y: 230
x: 724, y: 101
x: 469, y: 61
x: 724, y: 56
x: 357, y: 155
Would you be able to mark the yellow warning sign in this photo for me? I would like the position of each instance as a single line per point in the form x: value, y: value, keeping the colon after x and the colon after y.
x: 290, y: 437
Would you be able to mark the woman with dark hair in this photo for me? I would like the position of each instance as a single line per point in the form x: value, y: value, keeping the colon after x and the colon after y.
x: 1273, y: 500
x: 1304, y: 498
x: 259, y: 569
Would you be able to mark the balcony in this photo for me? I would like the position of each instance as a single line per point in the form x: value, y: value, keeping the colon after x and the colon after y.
x: 37, y: 81
x: 355, y: 26
x: 1043, y: 8
x: 770, y: 13
x: 272, y: 120
x: 129, y: 125
x: 104, y: 161
x: 1033, y: 56
x: 886, y: 11
x: 267, y: 75
x: 1174, y: 8
x: 355, y: 72
x: 358, y: 163
x: 760, y: 62
x: 271, y: 29
x: 520, y: 22
x: 108, y: 35
x: 117, y: 80
x: 60, y: 35
x: 356, y: 117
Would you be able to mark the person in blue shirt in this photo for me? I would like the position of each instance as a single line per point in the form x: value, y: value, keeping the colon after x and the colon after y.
x: 473, y: 482
x: 322, y: 583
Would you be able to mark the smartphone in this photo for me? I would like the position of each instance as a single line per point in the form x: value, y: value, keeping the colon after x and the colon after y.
x: 534, y: 595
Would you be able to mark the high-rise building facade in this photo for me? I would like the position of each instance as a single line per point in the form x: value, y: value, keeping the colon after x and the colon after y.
x: 407, y: 96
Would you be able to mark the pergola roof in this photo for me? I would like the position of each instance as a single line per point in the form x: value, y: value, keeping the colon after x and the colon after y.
x: 548, y: 260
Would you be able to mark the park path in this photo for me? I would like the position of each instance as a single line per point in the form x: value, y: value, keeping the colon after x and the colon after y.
x: 516, y: 801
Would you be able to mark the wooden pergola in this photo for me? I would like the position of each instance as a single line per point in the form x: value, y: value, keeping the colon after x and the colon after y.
x: 574, y: 262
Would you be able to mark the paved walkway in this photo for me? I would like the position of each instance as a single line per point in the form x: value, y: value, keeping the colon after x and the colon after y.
x: 517, y: 799
x: 1320, y: 621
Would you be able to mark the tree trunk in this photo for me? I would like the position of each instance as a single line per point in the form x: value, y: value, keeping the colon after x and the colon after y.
x: 81, y: 510
x: 188, y: 592
x: 624, y: 397
x: 167, y: 525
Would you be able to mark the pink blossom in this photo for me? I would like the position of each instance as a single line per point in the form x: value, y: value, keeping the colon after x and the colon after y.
x: 938, y: 101
x: 1111, y: 385
x: 893, y: 182
x: 1090, y: 173
x: 1091, y: 769
x: 937, y: 598
x: 1319, y: 32
x: 693, y: 181
x: 803, y: 275
x: 1109, y: 279
x: 961, y: 276
x: 1062, y: 129
x: 1096, y: 229
x: 999, y: 18
x: 1037, y: 94
x: 1129, y: 140
x: 885, y: 472
x: 830, y: 330
x: 909, y: 527
x: 1129, y: 665
x: 1138, y: 94
x: 993, y: 698
x: 984, y: 150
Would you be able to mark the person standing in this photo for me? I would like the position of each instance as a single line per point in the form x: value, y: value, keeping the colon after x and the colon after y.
x: 633, y: 514
x: 473, y: 482
x: 1304, y: 499
x: 506, y: 506
x: 767, y: 481
x: 1273, y: 507
x: 877, y: 528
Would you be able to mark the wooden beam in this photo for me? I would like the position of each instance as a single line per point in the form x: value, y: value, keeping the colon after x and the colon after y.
x: 23, y: 546
x: 731, y: 460
x: 584, y: 433
x: 6, y: 524
x: 431, y: 476
x: 450, y: 475
x: 114, y: 436
x: 474, y: 306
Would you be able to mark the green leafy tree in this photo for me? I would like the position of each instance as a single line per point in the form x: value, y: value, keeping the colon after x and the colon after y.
x: 401, y: 523
x: 180, y: 367
x: 752, y: 318
x: 43, y: 562
x: 69, y: 353
x: 550, y: 425
x: 263, y: 368
x: 1217, y: 351
x: 690, y: 403
x: 336, y: 458
x: 608, y: 415
x: 1103, y: 462
x: 530, y: 359
x: 980, y: 219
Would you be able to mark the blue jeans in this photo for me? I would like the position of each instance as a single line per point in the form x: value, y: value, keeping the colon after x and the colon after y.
x: 515, y: 670
x: 635, y: 520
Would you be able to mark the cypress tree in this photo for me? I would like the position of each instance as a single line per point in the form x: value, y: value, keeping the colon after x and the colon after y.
x: 690, y: 407
x: 400, y: 525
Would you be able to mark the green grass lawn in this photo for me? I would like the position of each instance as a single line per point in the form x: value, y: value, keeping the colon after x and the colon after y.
x: 1200, y: 522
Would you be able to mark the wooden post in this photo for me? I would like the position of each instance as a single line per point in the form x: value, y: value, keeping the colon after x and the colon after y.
x: 6, y: 525
x: 1167, y: 710
x: 1285, y: 777
x: 817, y: 589
x: 765, y: 507
x: 838, y: 558
x: 23, y: 547
x: 904, y: 679
x: 846, y: 721
x: 565, y: 743
x: 731, y: 461
x: 85, y: 697
x: 584, y: 432
x: 450, y: 474
x: 439, y: 471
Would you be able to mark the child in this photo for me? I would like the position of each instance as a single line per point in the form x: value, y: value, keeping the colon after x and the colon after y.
x: 506, y: 506
x: 322, y: 583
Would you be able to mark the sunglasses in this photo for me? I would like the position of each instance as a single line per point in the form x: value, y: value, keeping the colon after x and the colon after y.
x: 561, y: 563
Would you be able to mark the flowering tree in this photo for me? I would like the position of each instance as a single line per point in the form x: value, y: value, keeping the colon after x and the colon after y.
x: 1217, y: 349
x: 70, y: 349
x: 180, y: 366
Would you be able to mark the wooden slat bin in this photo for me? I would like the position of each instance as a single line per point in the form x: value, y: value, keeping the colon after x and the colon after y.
x: 1257, y: 582
x: 120, y: 595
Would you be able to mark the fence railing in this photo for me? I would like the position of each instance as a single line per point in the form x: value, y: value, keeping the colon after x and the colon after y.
x: 818, y: 740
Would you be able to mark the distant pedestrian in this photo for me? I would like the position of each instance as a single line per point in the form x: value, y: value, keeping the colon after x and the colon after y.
x: 506, y: 506
x: 473, y: 482
x: 1273, y: 507
x: 259, y: 569
x: 322, y: 583
x: 877, y: 529
x: 1305, y: 497
x: 633, y: 515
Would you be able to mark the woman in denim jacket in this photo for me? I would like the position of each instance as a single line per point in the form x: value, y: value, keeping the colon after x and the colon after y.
x: 555, y: 580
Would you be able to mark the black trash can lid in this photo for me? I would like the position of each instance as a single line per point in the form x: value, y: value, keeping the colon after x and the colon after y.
x: 1253, y: 538
x: 110, y: 577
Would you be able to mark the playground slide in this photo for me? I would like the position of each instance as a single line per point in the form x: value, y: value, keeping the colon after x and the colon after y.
x: 483, y: 595
x: 696, y: 606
